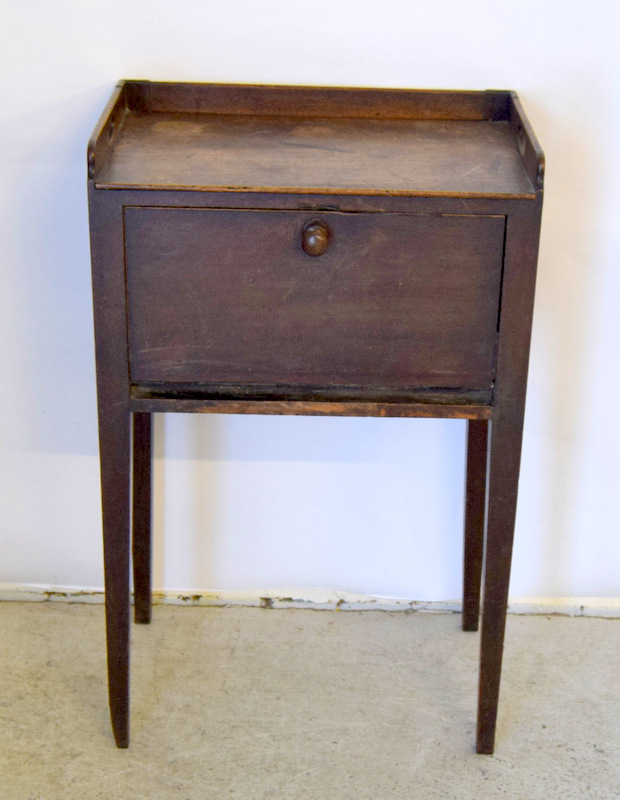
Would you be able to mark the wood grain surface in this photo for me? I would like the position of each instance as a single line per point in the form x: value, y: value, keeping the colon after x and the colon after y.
x: 233, y: 152
x: 231, y: 297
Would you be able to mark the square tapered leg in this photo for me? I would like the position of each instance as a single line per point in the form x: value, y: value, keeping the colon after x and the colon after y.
x: 141, y: 522
x: 475, y: 501
x: 504, y: 460
x: 115, y: 458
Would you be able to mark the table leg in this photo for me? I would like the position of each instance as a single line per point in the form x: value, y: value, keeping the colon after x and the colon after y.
x: 504, y: 460
x: 114, y: 438
x: 141, y: 539
x: 475, y: 500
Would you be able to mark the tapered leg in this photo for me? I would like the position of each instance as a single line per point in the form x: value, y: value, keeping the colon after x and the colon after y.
x: 504, y: 460
x: 114, y: 437
x: 504, y: 452
x: 141, y: 528
x: 110, y: 313
x: 475, y: 500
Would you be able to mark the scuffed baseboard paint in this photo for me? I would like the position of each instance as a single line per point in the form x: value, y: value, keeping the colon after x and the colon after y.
x: 319, y: 600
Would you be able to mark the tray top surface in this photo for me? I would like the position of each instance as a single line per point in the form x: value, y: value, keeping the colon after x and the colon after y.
x: 241, y: 152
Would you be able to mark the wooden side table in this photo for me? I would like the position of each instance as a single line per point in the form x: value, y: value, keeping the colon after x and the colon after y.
x: 296, y: 250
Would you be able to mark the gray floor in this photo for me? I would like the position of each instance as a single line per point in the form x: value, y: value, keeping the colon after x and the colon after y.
x: 256, y: 704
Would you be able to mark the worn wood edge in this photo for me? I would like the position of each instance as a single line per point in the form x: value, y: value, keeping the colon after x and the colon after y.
x: 315, y: 203
x: 527, y: 143
x: 318, y: 190
x: 310, y: 408
x: 314, y: 600
x: 258, y: 392
x: 106, y: 129
x: 301, y: 209
x: 316, y: 101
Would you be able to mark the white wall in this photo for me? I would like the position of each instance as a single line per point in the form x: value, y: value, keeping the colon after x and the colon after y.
x: 360, y: 505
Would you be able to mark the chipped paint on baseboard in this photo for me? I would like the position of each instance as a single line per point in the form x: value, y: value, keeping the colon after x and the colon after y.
x: 318, y: 600
x: 27, y: 593
x: 605, y: 607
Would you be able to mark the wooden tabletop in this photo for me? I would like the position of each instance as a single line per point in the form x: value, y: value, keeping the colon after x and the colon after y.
x: 240, y: 152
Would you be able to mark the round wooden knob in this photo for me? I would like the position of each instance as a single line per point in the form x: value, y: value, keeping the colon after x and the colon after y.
x: 315, y: 237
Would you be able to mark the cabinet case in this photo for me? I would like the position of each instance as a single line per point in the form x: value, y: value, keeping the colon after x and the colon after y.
x: 300, y: 250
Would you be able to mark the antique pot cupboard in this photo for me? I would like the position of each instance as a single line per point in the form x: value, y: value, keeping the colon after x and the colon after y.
x: 299, y: 250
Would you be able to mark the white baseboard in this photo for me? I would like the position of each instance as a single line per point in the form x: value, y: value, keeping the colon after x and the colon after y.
x: 318, y: 600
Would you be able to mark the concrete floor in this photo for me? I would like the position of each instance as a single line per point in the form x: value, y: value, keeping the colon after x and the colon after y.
x: 262, y: 704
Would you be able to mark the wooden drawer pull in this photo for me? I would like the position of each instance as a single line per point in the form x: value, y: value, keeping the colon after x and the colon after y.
x: 315, y: 237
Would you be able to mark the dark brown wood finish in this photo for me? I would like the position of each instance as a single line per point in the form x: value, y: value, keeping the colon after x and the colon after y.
x: 231, y: 297
x: 236, y: 153
x: 311, y: 401
x: 312, y: 101
x: 504, y: 456
x: 141, y: 527
x: 114, y: 443
x: 527, y: 143
x: 475, y: 503
x: 294, y: 250
x: 110, y: 122
x: 308, y: 408
x: 133, y: 100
